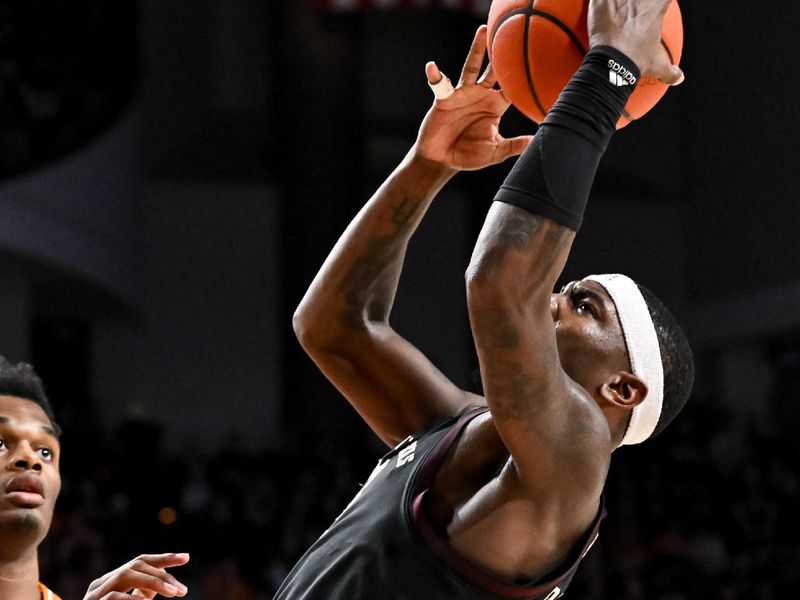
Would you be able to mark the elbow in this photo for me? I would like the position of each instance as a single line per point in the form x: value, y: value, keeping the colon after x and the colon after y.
x: 302, y: 326
x: 477, y: 284
x: 322, y: 330
x: 309, y: 327
x: 486, y: 298
x: 502, y: 285
x: 488, y: 283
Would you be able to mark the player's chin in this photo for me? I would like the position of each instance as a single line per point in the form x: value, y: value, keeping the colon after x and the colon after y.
x: 24, y: 519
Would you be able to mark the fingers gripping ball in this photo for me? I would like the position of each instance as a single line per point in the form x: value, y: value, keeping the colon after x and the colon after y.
x: 537, y: 45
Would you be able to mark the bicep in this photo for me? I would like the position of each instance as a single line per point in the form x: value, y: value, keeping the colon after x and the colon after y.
x: 395, y: 388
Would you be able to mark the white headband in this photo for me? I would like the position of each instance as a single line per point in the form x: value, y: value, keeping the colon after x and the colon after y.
x: 643, y: 352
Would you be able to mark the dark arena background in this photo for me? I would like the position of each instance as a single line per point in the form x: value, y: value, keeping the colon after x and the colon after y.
x: 173, y: 175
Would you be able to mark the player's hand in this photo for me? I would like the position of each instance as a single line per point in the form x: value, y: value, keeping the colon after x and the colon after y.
x: 461, y: 129
x: 143, y: 577
x: 634, y: 28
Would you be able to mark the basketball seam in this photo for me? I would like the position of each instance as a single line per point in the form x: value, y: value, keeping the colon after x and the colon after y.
x: 506, y: 17
x: 528, y: 73
x: 532, y: 12
x: 529, y: 13
x: 558, y: 23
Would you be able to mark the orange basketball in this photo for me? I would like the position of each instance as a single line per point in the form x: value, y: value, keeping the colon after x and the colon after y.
x: 537, y: 45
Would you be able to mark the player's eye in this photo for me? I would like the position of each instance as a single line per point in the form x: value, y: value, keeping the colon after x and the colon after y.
x: 582, y: 304
x: 46, y: 453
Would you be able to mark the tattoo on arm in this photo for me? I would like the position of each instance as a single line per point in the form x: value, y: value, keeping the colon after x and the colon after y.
x: 371, y: 282
x: 517, y: 231
x: 404, y: 212
x: 511, y: 383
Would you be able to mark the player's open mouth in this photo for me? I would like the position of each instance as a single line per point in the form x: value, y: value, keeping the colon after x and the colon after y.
x: 25, y: 491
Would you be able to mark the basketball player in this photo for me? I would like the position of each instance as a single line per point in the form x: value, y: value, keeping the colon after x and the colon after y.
x: 30, y: 482
x: 495, y: 496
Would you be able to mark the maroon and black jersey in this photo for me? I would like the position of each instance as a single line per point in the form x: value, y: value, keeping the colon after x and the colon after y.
x: 383, y: 546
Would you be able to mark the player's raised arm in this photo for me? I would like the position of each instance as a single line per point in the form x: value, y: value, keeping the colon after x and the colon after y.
x: 546, y: 372
x: 343, y: 320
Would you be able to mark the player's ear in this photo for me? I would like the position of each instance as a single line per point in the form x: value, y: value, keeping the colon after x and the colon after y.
x: 624, y: 389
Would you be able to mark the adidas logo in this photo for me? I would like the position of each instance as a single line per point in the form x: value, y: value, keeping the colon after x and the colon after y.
x: 619, y: 75
x: 617, y: 79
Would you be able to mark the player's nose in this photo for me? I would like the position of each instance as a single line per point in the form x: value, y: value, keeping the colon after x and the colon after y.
x: 26, y: 458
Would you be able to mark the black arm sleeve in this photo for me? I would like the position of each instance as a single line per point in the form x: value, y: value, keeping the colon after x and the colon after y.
x: 553, y: 176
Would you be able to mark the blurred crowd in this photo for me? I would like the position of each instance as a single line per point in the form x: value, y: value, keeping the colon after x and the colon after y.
x: 704, y: 511
x: 66, y: 69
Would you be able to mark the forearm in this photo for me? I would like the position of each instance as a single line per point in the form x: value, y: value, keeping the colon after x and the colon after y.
x: 358, y: 281
x: 523, y: 251
x: 526, y: 240
x: 342, y: 322
x: 554, y: 175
